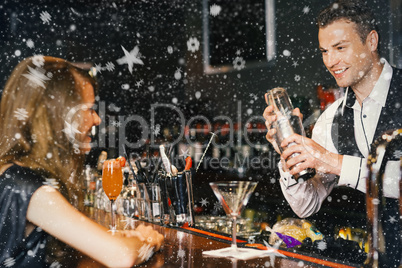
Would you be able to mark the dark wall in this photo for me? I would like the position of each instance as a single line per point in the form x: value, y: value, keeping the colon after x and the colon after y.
x: 95, y: 31
x: 299, y: 73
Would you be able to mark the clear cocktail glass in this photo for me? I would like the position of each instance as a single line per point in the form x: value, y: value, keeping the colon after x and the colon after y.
x: 234, y: 196
x: 112, y: 183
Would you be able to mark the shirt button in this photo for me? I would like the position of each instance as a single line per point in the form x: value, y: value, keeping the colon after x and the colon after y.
x: 364, y: 116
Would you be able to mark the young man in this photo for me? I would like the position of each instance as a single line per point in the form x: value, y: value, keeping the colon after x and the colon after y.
x: 371, y: 105
x: 343, y: 134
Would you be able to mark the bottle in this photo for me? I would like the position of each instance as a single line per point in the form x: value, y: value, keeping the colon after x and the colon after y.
x: 286, y: 123
x: 99, y: 195
x: 129, y: 198
x: 90, y: 184
x: 102, y: 157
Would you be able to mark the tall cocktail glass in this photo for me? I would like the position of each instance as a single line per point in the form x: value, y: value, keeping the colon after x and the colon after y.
x: 112, y: 183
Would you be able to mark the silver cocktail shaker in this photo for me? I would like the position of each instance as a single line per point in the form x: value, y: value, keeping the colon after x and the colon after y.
x: 286, y: 123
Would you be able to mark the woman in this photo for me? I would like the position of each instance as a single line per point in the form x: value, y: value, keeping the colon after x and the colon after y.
x: 45, y: 119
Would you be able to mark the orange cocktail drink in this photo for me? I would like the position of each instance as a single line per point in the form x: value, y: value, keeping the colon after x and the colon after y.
x: 112, y: 178
x: 112, y: 182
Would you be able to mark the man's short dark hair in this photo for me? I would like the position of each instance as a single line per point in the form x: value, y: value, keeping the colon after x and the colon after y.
x: 355, y: 11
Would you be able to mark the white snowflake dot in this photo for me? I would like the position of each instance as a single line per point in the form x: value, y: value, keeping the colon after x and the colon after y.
x: 177, y: 75
x: 214, y: 10
x: 170, y: 49
x: 286, y: 53
x: 30, y: 43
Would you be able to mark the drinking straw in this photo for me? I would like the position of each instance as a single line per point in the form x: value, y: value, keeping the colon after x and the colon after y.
x: 129, y: 164
x: 205, y: 151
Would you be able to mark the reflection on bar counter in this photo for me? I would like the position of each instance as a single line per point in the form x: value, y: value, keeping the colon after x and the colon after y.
x: 159, y: 188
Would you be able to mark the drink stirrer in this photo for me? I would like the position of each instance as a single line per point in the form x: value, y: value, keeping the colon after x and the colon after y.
x: 205, y: 151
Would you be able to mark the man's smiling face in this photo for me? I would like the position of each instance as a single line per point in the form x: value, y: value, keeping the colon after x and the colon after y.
x: 344, y: 54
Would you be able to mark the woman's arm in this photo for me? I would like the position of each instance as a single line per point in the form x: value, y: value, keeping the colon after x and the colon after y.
x: 49, y: 210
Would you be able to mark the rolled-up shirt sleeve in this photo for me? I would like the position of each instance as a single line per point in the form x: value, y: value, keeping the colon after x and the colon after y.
x: 305, y: 198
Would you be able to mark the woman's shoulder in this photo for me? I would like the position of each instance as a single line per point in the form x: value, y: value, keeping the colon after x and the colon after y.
x: 23, y: 178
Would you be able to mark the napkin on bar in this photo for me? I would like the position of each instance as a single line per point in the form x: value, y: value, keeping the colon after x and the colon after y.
x: 241, y: 253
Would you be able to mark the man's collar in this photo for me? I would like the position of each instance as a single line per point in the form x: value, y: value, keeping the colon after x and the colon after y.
x: 379, y: 92
x: 381, y: 88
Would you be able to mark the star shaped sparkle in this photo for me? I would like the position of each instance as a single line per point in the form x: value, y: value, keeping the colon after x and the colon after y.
x: 36, y: 76
x: 204, y: 202
x: 70, y: 130
x: 392, y: 219
x: 272, y: 252
x: 185, y: 153
x: 181, y: 253
x: 306, y: 10
x: 130, y: 58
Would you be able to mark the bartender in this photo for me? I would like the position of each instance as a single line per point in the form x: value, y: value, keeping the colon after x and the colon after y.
x: 342, y: 135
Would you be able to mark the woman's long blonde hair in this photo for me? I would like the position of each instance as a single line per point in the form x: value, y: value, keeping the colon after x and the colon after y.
x: 36, y: 99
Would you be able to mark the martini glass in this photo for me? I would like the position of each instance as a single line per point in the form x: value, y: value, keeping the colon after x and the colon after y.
x: 234, y: 196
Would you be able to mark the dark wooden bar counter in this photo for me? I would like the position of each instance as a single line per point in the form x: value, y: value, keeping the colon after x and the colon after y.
x: 183, y: 247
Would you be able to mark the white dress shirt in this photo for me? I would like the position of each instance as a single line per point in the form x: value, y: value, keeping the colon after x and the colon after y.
x: 306, y: 197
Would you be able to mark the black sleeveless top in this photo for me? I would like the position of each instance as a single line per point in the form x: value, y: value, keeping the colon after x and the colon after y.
x: 17, y: 185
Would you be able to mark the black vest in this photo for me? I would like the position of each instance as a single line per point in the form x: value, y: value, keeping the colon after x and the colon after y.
x: 342, y: 131
x: 343, y: 137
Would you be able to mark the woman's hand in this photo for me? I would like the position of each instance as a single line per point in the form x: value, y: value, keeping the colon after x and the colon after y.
x: 310, y: 155
x: 150, y: 241
x: 147, y: 235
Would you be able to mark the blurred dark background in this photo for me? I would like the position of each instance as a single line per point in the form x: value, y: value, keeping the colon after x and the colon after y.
x: 173, y: 38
